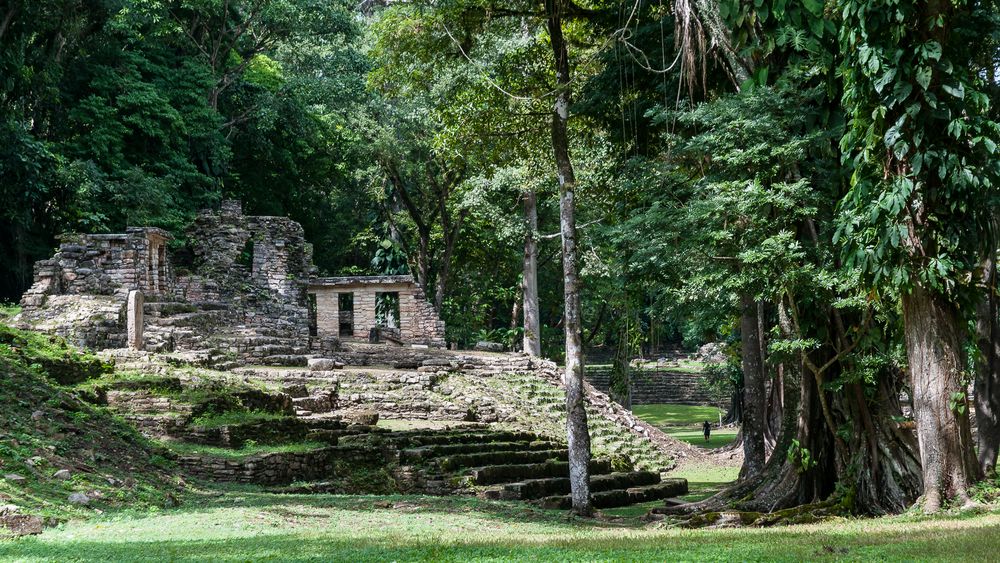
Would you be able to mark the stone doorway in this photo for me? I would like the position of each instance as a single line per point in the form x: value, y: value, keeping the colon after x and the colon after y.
x: 345, y: 303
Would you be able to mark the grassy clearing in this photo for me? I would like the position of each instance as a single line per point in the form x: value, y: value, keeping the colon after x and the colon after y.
x: 677, y: 415
x: 720, y: 436
x: 684, y: 423
x: 704, y: 480
x: 255, y: 527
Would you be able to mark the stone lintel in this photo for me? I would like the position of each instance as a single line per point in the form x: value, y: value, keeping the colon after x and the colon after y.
x: 150, y: 232
x: 361, y: 281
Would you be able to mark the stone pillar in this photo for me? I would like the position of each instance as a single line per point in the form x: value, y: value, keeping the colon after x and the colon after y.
x: 133, y: 315
x: 364, y: 311
x: 409, y: 319
x: 327, y: 313
x: 154, y: 268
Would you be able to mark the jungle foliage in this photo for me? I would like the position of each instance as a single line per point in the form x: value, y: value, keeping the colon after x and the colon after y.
x: 813, y: 183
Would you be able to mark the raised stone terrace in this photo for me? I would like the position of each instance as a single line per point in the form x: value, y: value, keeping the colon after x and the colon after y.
x: 248, y: 368
x: 242, y: 291
x: 380, y: 418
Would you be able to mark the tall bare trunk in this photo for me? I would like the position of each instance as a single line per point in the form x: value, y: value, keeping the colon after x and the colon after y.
x: 576, y: 414
x: 934, y: 354
x: 988, y: 371
x: 529, y: 287
x: 754, y: 397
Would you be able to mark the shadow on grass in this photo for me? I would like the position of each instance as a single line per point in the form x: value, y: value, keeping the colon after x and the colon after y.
x: 944, y: 540
x: 305, y: 504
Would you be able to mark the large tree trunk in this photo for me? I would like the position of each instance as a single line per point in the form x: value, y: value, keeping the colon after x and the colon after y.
x: 621, y: 376
x: 754, y: 396
x: 576, y: 414
x: 529, y: 287
x: 934, y: 354
x: 987, y: 398
x: 735, y: 413
x: 775, y: 410
x: 879, y: 462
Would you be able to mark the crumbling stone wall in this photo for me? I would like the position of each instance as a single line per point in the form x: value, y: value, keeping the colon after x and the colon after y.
x: 80, y: 293
x: 104, y: 264
x: 282, y: 468
x: 244, y: 292
x: 270, y: 254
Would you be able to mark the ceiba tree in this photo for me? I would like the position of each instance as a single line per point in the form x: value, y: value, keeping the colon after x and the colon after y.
x: 922, y: 144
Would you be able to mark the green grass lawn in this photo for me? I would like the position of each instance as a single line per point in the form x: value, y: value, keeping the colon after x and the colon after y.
x: 720, y: 436
x: 677, y: 415
x: 704, y: 480
x: 260, y: 527
x: 684, y: 423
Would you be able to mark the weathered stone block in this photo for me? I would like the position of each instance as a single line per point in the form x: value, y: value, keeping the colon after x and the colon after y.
x: 134, y: 319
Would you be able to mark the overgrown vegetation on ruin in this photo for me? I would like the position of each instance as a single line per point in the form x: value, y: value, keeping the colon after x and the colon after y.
x: 279, y: 223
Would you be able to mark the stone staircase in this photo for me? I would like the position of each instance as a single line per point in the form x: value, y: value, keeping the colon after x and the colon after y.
x: 221, y: 333
x: 489, y: 426
x: 508, y: 465
x: 654, y: 386
x: 548, y: 404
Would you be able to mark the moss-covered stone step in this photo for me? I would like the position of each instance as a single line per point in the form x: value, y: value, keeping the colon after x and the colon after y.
x: 506, y: 473
x: 460, y: 437
x: 459, y: 461
x: 624, y: 497
x: 537, y: 488
x: 424, y: 453
x: 265, y: 432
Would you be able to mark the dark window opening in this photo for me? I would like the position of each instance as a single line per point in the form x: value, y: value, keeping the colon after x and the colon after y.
x: 345, y: 302
x: 311, y: 304
x: 245, y: 258
x: 387, y: 309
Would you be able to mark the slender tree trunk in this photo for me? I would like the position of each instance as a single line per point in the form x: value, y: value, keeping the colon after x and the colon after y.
x: 774, y: 411
x: 529, y: 283
x: 754, y: 396
x: 441, y: 285
x: 988, y: 371
x: 576, y: 414
x: 621, y: 377
x: 515, y: 318
x: 424, y: 262
x: 934, y: 353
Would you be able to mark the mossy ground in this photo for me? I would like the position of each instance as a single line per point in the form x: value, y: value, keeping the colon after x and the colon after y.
x: 45, y: 427
x: 248, y: 449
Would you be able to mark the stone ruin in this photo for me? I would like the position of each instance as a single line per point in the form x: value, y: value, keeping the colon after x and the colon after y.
x: 350, y: 306
x: 243, y: 289
x: 325, y: 358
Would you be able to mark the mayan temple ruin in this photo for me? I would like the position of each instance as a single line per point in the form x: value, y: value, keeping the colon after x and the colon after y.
x: 247, y: 290
x: 232, y: 341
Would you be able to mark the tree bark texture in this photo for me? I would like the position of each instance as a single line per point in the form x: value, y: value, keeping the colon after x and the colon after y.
x: 987, y: 398
x: 754, y: 397
x: 576, y: 414
x: 532, y: 325
x: 878, y: 460
x: 934, y: 354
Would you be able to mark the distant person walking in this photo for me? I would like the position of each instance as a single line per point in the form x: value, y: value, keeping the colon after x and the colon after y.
x: 707, y: 429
